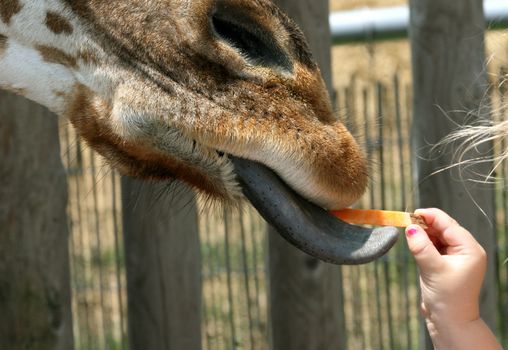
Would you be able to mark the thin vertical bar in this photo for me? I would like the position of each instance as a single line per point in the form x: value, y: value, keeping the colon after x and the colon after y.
x: 357, y: 118
x: 394, y: 288
x: 355, y: 289
x: 229, y: 280
x: 400, y: 141
x: 380, y: 95
x: 342, y: 102
x: 376, y: 337
x: 502, y: 290
x: 253, y: 232
x: 413, y: 200
x: 389, y: 167
x: 377, y: 263
x: 368, y: 149
x: 246, y: 278
x: 82, y: 244
x: 118, y: 261
x: 220, y: 261
x: 402, y: 257
x: 206, y: 318
x: 97, y: 324
x: 205, y: 273
x: 213, y: 275
x: 351, y: 107
x: 72, y: 244
x: 97, y: 230
x: 377, y: 290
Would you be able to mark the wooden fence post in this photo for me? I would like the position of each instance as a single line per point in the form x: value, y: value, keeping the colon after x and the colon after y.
x: 163, y: 266
x: 35, y: 297
x: 305, y: 294
x: 449, y: 75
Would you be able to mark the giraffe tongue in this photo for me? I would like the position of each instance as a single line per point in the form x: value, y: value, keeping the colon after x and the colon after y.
x: 307, y: 226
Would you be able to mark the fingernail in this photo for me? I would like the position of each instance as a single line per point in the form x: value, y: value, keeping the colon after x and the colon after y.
x: 412, y: 231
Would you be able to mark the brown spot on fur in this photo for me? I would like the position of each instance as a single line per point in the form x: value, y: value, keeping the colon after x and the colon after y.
x: 88, y: 57
x: 3, y: 44
x: 58, y: 24
x: 53, y: 55
x: 59, y: 93
x: 9, y: 8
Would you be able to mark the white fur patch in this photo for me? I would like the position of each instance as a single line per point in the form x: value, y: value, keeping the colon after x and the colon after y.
x: 23, y: 68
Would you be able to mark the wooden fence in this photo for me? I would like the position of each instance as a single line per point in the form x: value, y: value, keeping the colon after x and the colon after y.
x: 380, y: 299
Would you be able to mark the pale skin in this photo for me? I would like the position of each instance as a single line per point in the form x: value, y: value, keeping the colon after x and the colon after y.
x: 452, y: 266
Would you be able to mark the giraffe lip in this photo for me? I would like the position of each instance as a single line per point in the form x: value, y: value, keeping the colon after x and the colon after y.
x: 307, y: 226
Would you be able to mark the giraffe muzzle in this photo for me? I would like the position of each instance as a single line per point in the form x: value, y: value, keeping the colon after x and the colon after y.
x: 307, y: 226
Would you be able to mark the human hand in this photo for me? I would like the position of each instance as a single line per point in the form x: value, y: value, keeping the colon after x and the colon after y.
x: 452, y: 266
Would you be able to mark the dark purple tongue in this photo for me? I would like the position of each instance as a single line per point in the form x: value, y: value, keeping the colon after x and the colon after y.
x: 307, y: 226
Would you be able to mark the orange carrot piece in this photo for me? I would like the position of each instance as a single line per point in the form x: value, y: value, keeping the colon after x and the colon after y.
x: 378, y: 217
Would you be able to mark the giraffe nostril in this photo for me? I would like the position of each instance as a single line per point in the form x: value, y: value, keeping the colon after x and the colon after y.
x: 245, y: 34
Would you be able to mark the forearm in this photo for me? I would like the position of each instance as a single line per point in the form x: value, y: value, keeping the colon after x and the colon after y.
x: 472, y: 335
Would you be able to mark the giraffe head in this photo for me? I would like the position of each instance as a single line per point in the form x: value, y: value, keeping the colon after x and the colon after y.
x: 169, y: 89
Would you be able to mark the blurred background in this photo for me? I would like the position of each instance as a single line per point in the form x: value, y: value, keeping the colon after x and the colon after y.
x: 153, y: 268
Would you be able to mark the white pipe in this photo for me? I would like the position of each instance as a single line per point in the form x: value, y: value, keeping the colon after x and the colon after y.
x: 393, y: 22
x: 496, y: 12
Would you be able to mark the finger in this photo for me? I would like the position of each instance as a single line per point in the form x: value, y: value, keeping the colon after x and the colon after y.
x: 425, y: 253
x: 449, y: 232
x: 437, y: 219
x: 459, y: 237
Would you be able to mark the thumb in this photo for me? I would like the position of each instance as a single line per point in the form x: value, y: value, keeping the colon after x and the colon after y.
x: 426, y: 255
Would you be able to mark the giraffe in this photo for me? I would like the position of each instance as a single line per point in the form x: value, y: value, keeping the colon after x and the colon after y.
x: 221, y: 94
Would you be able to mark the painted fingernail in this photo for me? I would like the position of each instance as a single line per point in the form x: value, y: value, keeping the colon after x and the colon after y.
x: 412, y: 231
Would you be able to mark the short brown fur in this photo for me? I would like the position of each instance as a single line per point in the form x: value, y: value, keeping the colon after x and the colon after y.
x: 132, y: 159
x: 3, y: 44
x: 57, y: 23
x: 54, y: 55
x: 8, y: 8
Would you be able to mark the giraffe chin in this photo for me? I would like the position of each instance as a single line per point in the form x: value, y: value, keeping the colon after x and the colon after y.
x: 307, y: 226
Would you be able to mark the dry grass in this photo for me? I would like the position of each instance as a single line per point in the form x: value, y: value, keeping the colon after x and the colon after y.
x: 342, y: 5
x: 380, y: 61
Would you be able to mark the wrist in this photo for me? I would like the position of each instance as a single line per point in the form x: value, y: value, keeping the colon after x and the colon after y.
x: 472, y: 335
x: 451, y: 325
x: 447, y: 314
x: 448, y: 328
